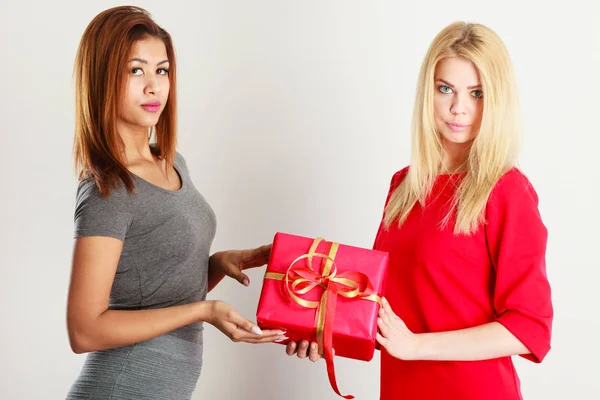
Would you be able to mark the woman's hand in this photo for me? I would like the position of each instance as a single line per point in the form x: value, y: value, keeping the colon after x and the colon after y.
x: 226, y: 319
x: 233, y: 262
x: 395, y: 337
x: 303, y: 350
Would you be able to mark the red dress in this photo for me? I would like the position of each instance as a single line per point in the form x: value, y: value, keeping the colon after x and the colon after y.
x: 441, y: 282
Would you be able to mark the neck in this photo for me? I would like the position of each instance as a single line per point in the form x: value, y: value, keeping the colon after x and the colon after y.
x: 137, y: 145
x: 455, y: 157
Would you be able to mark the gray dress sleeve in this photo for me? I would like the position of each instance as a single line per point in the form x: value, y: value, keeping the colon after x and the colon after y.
x: 99, y: 216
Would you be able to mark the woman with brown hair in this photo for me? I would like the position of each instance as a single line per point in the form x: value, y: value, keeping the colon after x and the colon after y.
x: 141, y: 265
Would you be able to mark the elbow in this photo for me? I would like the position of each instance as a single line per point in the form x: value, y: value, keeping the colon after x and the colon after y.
x: 80, y: 339
x: 79, y: 342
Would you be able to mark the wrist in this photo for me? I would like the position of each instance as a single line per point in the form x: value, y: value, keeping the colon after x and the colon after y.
x: 205, y: 311
x: 214, y: 261
x: 424, y: 348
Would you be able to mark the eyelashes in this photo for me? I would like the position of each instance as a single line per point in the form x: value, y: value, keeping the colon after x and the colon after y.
x: 138, y: 71
x: 445, y: 89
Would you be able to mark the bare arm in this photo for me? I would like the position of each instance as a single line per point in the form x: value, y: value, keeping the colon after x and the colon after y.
x: 491, y: 340
x: 487, y: 341
x: 215, y: 272
x: 92, y: 326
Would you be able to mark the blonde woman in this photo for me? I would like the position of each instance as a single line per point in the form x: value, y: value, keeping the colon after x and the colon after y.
x: 467, y: 285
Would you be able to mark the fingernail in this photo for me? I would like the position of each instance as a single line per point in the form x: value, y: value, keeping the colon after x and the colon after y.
x: 246, y: 282
x: 385, y: 300
x: 281, y: 338
x: 281, y: 333
x: 313, y: 346
x: 303, y: 345
x: 256, y: 330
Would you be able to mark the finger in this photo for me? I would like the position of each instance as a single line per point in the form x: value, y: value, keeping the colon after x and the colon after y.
x: 244, y: 324
x: 385, y: 316
x: 382, y: 341
x: 390, y: 317
x: 272, y: 336
x: 273, y: 332
x: 314, y: 355
x: 267, y: 339
x: 383, y: 327
x: 256, y: 257
x: 302, y: 349
x: 387, y: 308
x: 243, y: 336
x: 291, y: 348
x: 266, y: 251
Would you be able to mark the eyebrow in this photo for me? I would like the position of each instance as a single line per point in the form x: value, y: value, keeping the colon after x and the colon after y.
x: 451, y: 85
x: 146, y: 62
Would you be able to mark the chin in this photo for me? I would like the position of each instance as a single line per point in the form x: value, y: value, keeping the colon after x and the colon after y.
x: 458, y: 138
x: 147, y: 123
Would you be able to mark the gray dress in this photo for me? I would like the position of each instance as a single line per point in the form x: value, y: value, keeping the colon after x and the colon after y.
x: 166, y: 237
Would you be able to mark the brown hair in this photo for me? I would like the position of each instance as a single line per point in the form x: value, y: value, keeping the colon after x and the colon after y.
x: 100, y: 77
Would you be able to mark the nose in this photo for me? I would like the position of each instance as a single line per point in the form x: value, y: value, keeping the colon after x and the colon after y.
x: 152, y: 87
x: 458, y: 105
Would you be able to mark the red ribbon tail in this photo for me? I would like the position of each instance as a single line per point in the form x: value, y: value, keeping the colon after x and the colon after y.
x: 328, y: 342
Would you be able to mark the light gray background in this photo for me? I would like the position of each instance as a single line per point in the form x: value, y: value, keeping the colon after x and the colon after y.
x: 293, y: 117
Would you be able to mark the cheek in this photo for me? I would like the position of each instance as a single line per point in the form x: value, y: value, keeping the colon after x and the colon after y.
x: 439, y: 106
x: 132, y: 93
x: 477, y: 112
x: 165, y: 88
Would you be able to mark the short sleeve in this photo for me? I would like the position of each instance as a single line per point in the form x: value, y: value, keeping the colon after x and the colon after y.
x: 395, y: 182
x: 96, y: 215
x: 517, y: 240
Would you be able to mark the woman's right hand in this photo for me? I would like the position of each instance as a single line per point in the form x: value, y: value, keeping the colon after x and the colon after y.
x: 226, y: 319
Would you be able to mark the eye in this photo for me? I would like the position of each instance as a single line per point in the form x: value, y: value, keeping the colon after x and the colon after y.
x: 162, y: 71
x: 477, y: 93
x: 137, y: 71
x: 445, y: 89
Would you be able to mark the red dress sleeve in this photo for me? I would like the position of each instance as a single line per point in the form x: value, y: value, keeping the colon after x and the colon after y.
x: 517, y: 238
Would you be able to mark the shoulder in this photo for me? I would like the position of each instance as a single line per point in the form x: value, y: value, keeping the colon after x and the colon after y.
x: 513, y: 186
x: 180, y: 162
x: 179, y: 159
x: 88, y: 195
x: 97, y: 215
x: 514, y: 198
x: 399, y: 177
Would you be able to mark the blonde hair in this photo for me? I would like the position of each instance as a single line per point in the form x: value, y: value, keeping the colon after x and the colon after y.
x: 495, y: 148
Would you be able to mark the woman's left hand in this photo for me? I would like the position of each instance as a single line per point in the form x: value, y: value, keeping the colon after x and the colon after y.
x: 233, y: 262
x: 395, y: 336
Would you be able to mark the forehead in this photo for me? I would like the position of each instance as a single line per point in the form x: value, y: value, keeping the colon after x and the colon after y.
x: 150, y: 48
x: 457, y: 71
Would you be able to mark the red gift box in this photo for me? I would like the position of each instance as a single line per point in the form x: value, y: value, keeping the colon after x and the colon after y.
x: 324, y: 292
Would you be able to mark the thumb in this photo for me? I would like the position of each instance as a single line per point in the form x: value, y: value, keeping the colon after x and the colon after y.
x: 243, y: 279
x: 240, y: 277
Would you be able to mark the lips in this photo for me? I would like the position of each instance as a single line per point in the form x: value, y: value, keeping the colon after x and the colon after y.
x: 457, y: 127
x: 152, y: 106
